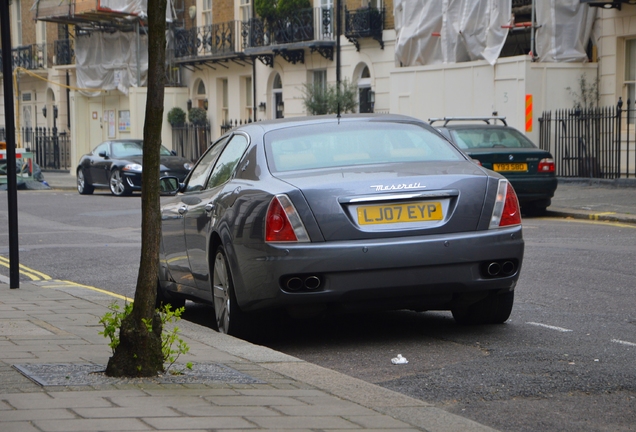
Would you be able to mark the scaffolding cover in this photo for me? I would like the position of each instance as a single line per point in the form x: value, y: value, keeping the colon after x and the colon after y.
x: 450, y: 31
x: 108, y: 61
x: 564, y: 29
x: 132, y: 7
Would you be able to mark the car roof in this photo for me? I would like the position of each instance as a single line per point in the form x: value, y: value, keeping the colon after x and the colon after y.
x: 269, y: 125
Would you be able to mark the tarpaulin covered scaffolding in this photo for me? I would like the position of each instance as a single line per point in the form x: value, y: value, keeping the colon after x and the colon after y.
x: 452, y: 31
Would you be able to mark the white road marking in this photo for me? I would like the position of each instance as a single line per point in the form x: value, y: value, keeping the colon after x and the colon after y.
x: 618, y: 341
x: 561, y: 329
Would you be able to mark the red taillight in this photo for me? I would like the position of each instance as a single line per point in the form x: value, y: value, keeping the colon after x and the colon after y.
x: 511, y: 214
x: 277, y: 225
x: 506, y: 211
x: 546, y: 165
x: 283, y: 223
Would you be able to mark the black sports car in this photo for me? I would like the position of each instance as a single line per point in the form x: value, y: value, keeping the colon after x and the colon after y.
x: 323, y: 213
x: 117, y: 165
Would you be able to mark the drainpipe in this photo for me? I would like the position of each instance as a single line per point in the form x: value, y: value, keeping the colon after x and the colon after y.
x: 253, y: 68
x: 138, y: 55
x: 532, y: 32
x: 338, y: 29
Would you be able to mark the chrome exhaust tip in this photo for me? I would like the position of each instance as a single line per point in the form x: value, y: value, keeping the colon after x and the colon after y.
x: 312, y: 282
x: 508, y: 268
x: 294, y: 284
x: 493, y: 269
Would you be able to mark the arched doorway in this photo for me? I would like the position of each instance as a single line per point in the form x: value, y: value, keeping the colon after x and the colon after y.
x: 277, y: 97
x: 366, y: 96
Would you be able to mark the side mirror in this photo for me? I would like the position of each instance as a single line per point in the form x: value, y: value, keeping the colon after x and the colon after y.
x: 169, y: 186
x: 103, y: 154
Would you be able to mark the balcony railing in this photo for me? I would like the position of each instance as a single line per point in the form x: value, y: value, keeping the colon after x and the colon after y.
x: 363, y: 23
x: 31, y: 57
x: 305, y: 25
x: 216, y: 40
x: 64, y: 52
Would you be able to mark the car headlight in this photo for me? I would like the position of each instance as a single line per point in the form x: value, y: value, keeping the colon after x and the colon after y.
x: 187, y: 166
x: 132, y: 167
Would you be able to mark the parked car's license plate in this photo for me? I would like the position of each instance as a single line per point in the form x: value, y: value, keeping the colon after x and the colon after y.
x: 395, y: 213
x: 510, y: 167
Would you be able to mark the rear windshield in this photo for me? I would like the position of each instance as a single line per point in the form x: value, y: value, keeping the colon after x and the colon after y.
x: 490, y: 138
x: 354, y: 143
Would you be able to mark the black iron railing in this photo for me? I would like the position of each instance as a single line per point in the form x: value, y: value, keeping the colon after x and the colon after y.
x: 64, y: 51
x: 30, y: 57
x: 364, y: 22
x: 228, y: 125
x: 594, y: 142
x: 304, y: 25
x: 190, y: 141
x: 210, y: 40
x: 51, y: 149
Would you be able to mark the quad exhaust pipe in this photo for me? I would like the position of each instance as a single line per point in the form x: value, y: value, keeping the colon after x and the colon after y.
x: 500, y: 268
x: 309, y: 283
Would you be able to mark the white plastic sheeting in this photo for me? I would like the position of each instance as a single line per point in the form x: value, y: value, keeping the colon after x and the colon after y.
x: 564, y: 30
x: 108, y: 61
x: 450, y: 31
x: 133, y: 7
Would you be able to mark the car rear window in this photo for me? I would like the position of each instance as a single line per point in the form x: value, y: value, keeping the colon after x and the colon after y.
x: 354, y: 143
x: 490, y: 138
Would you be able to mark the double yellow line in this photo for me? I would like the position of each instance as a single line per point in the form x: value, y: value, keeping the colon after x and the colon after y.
x: 48, y: 282
x: 34, y: 275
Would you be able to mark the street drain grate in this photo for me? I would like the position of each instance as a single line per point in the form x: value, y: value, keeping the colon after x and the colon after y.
x: 69, y: 374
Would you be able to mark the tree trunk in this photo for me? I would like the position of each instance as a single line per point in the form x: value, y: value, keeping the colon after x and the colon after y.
x: 139, y: 351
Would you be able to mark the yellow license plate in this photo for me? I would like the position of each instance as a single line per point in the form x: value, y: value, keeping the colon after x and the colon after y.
x: 510, y: 167
x: 395, y: 213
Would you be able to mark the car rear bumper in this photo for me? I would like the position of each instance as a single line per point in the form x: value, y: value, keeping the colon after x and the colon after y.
x: 388, y: 273
x: 534, y: 188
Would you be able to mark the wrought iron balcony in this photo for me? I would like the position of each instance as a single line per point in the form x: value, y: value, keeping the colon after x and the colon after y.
x: 64, y: 52
x: 363, y: 23
x: 32, y: 57
x: 288, y: 37
x: 304, y: 25
x: 211, y: 41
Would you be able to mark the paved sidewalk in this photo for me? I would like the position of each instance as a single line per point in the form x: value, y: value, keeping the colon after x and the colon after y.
x: 253, y: 388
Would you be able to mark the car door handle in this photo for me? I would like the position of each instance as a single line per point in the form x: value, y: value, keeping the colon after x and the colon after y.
x: 209, y: 207
x: 183, y: 210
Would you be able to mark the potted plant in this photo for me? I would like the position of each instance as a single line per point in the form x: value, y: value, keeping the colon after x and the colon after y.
x: 198, y: 116
x: 176, y: 117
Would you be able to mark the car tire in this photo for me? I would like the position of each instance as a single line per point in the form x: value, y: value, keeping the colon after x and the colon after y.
x: 165, y: 298
x: 494, y: 309
x: 229, y: 317
x: 117, y: 183
x: 82, y: 184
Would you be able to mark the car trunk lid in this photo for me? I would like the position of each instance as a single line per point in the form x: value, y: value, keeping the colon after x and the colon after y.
x: 393, y: 200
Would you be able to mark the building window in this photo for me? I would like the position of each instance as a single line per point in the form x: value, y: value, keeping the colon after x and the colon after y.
x: 320, y: 79
x: 630, y: 72
x: 246, y: 10
x: 17, y: 28
x: 366, y: 97
x: 225, y: 111
x: 206, y: 12
x: 249, y: 105
x: 277, y: 93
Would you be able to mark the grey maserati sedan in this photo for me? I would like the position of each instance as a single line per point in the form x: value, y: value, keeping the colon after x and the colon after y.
x: 339, y: 213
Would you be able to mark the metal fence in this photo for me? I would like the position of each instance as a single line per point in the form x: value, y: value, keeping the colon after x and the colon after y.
x: 190, y: 141
x: 51, y: 149
x: 592, y: 142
